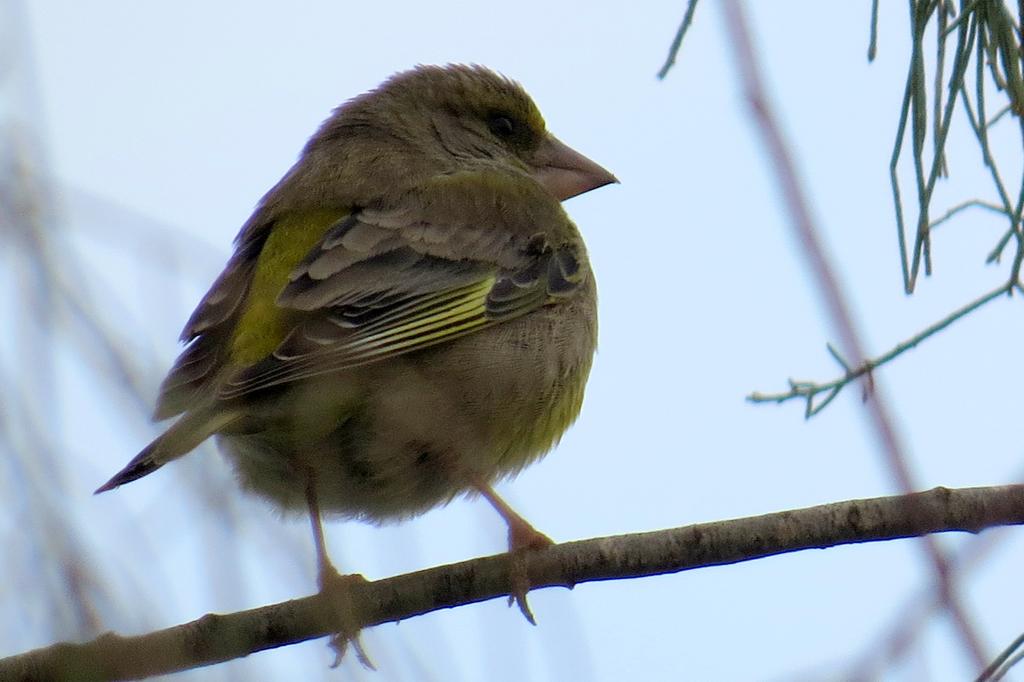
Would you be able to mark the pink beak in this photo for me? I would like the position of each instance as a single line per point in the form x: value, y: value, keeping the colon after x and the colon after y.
x: 565, y: 172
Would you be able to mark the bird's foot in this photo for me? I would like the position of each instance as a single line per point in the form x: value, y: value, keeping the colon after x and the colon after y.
x: 523, y: 539
x: 337, y: 592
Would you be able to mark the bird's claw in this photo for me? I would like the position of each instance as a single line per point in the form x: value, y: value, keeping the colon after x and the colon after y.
x: 336, y: 589
x: 523, y: 539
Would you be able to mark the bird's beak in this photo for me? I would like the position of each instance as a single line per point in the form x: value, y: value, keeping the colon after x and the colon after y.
x: 564, y: 172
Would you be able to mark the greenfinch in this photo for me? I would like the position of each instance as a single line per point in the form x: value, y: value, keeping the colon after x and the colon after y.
x: 408, y: 315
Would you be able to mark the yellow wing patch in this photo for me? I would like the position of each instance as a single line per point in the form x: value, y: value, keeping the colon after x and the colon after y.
x: 263, y: 324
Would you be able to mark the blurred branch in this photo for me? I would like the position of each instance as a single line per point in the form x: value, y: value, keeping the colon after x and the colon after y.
x: 895, y: 642
x: 216, y: 638
x: 809, y: 238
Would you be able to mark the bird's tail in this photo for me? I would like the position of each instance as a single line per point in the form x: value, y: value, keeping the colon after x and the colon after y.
x: 181, y: 438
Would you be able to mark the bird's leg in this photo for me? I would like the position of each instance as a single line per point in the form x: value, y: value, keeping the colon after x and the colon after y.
x: 522, y: 538
x: 335, y: 587
x: 521, y: 535
x: 323, y: 562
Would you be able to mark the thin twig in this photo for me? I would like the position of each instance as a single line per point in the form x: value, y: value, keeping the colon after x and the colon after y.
x: 677, y: 42
x: 873, y: 33
x: 808, y: 391
x: 995, y: 670
x: 997, y: 179
x: 970, y: 203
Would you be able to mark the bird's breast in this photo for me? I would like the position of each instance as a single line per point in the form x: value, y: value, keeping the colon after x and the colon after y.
x: 523, y: 381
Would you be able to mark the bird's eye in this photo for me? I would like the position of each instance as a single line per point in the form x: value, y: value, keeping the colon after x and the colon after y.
x: 502, y: 126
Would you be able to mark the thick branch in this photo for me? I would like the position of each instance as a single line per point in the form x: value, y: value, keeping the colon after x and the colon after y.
x: 214, y: 638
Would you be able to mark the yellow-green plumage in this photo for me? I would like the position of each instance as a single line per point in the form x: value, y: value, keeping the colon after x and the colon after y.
x: 263, y: 324
x: 409, y: 313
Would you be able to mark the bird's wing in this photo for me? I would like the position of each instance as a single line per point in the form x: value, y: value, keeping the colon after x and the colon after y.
x: 389, y: 281
x: 209, y: 329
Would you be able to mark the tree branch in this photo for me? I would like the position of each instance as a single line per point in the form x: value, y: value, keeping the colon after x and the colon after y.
x: 215, y: 638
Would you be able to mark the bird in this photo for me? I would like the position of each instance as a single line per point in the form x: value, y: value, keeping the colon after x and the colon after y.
x: 409, y: 315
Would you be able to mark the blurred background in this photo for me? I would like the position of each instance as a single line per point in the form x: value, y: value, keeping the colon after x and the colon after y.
x: 135, y: 139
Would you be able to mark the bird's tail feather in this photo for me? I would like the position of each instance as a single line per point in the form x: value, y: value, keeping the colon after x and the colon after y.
x: 181, y: 438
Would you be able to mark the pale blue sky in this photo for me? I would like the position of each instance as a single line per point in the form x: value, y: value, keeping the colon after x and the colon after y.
x: 173, y: 120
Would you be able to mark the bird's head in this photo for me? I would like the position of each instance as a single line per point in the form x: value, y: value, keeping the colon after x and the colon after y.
x: 457, y: 117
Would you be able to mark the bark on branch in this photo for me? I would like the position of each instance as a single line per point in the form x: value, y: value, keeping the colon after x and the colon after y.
x: 215, y: 638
